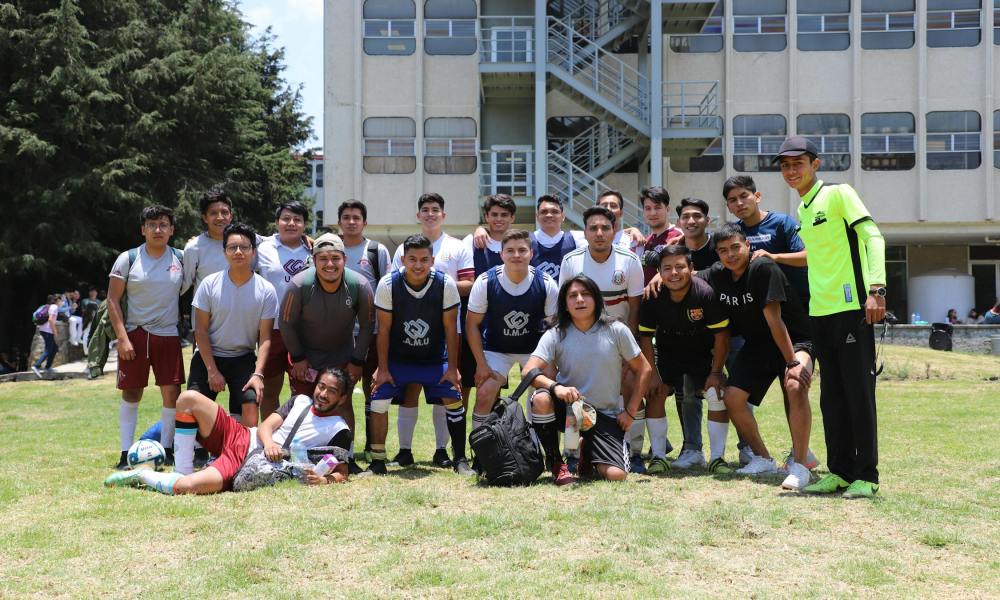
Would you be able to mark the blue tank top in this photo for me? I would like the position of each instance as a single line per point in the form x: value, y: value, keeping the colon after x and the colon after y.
x: 513, y: 324
x: 484, y: 259
x: 417, y: 327
x: 548, y: 259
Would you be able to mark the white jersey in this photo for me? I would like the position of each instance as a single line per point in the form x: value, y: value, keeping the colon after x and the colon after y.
x: 451, y: 257
x: 619, y: 277
x: 624, y: 240
x: 278, y: 263
x: 314, y: 430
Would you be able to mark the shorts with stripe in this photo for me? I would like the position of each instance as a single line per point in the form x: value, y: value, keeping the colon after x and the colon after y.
x: 605, y: 443
x: 427, y: 376
x: 161, y: 353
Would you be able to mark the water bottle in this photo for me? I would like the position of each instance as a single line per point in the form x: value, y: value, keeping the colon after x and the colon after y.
x: 299, y: 453
x: 325, y: 465
x: 918, y: 320
x: 571, y: 437
x: 913, y: 318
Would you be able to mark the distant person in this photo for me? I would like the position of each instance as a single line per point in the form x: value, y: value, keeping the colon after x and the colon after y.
x: 992, y: 316
x: 88, y: 307
x: 70, y: 309
x: 973, y: 318
x: 953, y: 317
x: 7, y: 365
x: 48, y: 332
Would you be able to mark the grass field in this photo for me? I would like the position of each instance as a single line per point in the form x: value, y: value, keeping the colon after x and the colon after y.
x: 932, y: 532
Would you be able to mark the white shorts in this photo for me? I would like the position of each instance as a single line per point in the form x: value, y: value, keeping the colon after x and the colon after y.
x: 502, y: 362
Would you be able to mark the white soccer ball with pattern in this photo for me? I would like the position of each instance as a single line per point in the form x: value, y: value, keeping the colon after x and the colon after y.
x: 146, y: 453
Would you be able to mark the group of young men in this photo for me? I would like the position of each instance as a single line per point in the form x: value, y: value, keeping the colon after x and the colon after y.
x: 725, y: 314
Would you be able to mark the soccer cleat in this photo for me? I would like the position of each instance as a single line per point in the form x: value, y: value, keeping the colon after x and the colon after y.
x: 759, y: 466
x: 378, y: 467
x: 811, y: 461
x: 353, y: 468
x: 462, y: 468
x: 829, y: 484
x: 201, y: 458
x: 561, y: 475
x: 637, y: 466
x: 168, y: 461
x: 123, y: 462
x: 441, y: 459
x: 719, y: 466
x: 403, y: 458
x: 798, y: 477
x: 658, y: 466
x: 746, y: 455
x: 861, y: 489
x: 123, y: 479
x: 689, y: 458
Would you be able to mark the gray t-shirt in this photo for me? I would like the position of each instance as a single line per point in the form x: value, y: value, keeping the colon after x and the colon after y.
x: 277, y: 263
x: 202, y: 257
x: 358, y: 261
x: 152, y: 288
x: 591, y: 361
x: 236, y: 311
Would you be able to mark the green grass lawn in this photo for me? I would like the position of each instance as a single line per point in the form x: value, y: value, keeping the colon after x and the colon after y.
x: 933, y: 531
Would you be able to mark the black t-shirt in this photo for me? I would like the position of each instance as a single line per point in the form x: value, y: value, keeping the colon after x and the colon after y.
x: 744, y: 300
x: 706, y: 256
x: 684, y: 330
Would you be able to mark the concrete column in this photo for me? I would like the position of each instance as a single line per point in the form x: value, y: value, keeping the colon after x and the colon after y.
x: 541, y: 58
x: 920, y: 119
x: 656, y: 94
x: 989, y: 170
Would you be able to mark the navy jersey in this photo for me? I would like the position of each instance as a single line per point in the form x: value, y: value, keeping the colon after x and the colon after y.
x: 417, y: 332
x: 485, y: 259
x: 514, y: 324
x: 549, y: 258
x: 778, y: 233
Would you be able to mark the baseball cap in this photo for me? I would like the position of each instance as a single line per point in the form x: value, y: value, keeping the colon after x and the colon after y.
x: 328, y: 241
x: 795, y: 146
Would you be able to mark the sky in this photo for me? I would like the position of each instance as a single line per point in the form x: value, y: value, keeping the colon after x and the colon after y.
x: 298, y: 27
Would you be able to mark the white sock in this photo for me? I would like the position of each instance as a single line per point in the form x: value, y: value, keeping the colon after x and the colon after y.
x: 128, y: 416
x: 184, y: 451
x: 658, y: 436
x: 637, y: 436
x: 167, y: 418
x: 441, y: 435
x: 405, y: 424
x: 161, y: 482
x: 478, y: 419
x: 717, y: 434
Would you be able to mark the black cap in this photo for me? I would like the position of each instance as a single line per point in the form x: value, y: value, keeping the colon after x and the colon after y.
x: 795, y: 146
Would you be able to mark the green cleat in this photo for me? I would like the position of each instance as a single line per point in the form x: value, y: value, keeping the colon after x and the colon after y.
x: 719, y: 466
x: 829, y: 484
x: 861, y: 489
x: 657, y: 466
x: 123, y: 479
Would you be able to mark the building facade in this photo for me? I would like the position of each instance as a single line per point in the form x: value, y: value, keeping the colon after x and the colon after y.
x: 573, y: 97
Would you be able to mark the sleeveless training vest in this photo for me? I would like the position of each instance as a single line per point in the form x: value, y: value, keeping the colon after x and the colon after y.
x: 514, y: 324
x: 417, y: 327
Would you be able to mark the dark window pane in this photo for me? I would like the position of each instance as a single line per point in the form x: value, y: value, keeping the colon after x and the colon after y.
x: 887, y: 40
x: 450, y: 9
x: 953, y: 38
x: 389, y: 164
x: 389, y: 9
x: 886, y: 5
x: 450, y: 46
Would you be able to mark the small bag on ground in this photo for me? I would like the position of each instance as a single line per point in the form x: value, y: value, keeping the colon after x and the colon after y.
x: 507, y: 452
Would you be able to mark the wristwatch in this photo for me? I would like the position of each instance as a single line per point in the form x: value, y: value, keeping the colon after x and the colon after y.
x: 879, y: 291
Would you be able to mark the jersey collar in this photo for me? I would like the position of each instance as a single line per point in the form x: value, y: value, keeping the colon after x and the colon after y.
x: 812, y: 193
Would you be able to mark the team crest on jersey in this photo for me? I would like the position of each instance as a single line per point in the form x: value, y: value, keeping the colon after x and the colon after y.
x: 695, y: 314
x: 820, y: 218
x: 517, y: 322
x: 618, y: 278
x: 416, y: 332
x: 549, y: 269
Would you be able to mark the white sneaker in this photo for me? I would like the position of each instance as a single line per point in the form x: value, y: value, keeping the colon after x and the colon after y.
x: 36, y: 371
x: 746, y: 455
x: 811, y: 461
x: 759, y: 466
x: 798, y: 477
x: 689, y: 458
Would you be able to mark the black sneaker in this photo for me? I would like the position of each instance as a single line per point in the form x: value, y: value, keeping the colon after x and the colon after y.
x: 168, y: 461
x: 441, y: 459
x: 123, y: 462
x: 353, y: 468
x: 404, y: 458
x: 378, y: 467
x: 201, y: 458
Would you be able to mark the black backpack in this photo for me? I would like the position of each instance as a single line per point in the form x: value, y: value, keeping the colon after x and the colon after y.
x: 506, y: 451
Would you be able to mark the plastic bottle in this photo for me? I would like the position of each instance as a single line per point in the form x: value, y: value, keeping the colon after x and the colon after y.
x: 917, y: 319
x: 326, y: 464
x: 299, y: 453
x: 913, y: 318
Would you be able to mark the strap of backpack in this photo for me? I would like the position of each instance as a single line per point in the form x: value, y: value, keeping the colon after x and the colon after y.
x: 308, y: 284
x: 353, y: 283
x: 525, y: 382
x: 295, y: 428
x: 373, y: 258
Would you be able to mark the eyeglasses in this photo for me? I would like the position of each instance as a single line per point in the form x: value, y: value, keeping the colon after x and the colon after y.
x: 244, y: 248
x: 546, y: 213
x: 295, y: 219
x: 158, y: 226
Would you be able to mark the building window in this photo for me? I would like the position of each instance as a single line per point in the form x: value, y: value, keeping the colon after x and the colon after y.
x: 759, y: 25
x: 832, y: 135
x: 450, y: 27
x: 953, y: 23
x: 319, y: 175
x: 895, y: 274
x: 888, y: 141
x: 450, y: 146
x: 996, y: 139
x: 756, y: 139
x: 887, y: 24
x: 824, y: 25
x: 953, y: 140
x: 389, y: 145
x: 709, y: 160
x: 699, y: 35
x: 389, y: 27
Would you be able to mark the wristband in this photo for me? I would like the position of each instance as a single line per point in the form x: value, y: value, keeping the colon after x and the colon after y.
x: 552, y: 389
x: 716, y: 373
x: 261, y: 375
x: 792, y: 363
x: 630, y: 415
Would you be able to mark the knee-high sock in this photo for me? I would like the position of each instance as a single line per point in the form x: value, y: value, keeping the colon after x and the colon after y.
x: 368, y: 425
x: 455, y: 415
x: 635, y: 433
x: 441, y: 431
x: 187, y: 430
x: 167, y: 416
x: 478, y: 419
x: 405, y: 424
x: 128, y: 415
x: 717, y: 433
x: 548, y: 435
x: 657, y: 436
x: 161, y: 482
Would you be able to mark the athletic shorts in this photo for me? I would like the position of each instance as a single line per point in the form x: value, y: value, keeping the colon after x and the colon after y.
x: 673, y: 373
x: 236, y: 370
x: 605, y: 444
x: 229, y: 442
x: 162, y: 353
x: 502, y: 362
x: 756, y: 366
x: 277, y: 356
x: 467, y: 364
x: 427, y: 376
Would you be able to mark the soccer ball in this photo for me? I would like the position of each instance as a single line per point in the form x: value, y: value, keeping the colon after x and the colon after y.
x: 146, y: 452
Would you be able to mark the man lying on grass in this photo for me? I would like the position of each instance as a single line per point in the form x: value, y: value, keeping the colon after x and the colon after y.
x: 223, y: 436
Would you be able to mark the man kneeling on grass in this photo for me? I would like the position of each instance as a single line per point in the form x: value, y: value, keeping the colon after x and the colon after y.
x: 223, y: 436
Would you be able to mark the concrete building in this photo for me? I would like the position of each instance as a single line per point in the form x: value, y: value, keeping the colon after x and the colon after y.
x: 571, y: 97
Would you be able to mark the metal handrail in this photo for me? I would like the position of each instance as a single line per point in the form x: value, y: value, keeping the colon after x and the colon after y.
x: 595, y: 145
x: 579, y: 190
x: 594, y: 19
x: 691, y: 104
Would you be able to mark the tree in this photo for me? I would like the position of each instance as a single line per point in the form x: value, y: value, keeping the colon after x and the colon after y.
x: 110, y: 105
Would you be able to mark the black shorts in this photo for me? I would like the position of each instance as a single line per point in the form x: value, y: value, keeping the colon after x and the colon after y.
x: 757, y: 366
x: 673, y: 373
x: 236, y: 370
x: 467, y: 365
x: 605, y: 443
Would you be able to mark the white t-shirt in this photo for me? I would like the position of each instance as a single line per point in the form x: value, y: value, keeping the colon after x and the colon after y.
x: 478, y: 302
x: 236, y: 312
x: 383, y: 295
x: 153, y: 287
x: 451, y: 257
x: 624, y: 240
x: 278, y: 263
x: 314, y: 430
x: 52, y: 312
x: 619, y: 277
